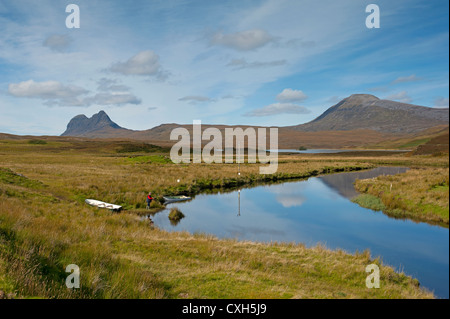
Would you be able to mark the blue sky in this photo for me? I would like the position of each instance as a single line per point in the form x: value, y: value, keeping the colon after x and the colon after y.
x: 274, y: 62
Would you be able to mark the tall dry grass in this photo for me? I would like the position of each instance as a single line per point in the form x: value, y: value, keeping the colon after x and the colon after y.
x: 45, y: 225
x: 419, y: 194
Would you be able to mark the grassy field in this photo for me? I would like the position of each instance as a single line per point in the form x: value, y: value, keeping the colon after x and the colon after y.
x: 45, y: 226
x: 419, y: 194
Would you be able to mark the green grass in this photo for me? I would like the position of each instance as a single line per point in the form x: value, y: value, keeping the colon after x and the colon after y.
x: 369, y: 201
x: 7, y: 176
x: 141, y: 148
x: 150, y: 159
x: 419, y: 194
x: 45, y: 225
x: 414, y: 143
x: 37, y: 142
x: 440, y: 188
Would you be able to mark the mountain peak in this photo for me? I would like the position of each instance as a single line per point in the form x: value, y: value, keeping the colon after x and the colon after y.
x: 362, y: 98
x: 101, y: 114
x: 365, y: 111
x: 81, y: 125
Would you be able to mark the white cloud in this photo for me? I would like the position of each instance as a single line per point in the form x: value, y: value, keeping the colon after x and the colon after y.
x: 243, y: 41
x: 290, y: 200
x: 441, y: 102
x: 44, y: 90
x: 58, y: 42
x: 143, y: 63
x: 57, y: 94
x: 404, y: 79
x: 290, y: 95
x: 400, y: 97
x: 239, y: 64
x: 278, y: 108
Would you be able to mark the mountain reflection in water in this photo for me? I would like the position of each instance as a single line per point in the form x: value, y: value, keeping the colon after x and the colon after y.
x: 343, y: 182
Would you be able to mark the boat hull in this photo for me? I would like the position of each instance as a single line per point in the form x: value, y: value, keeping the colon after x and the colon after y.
x: 100, y: 204
x: 173, y: 199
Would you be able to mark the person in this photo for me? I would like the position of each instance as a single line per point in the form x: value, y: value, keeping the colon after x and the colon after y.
x: 149, y: 200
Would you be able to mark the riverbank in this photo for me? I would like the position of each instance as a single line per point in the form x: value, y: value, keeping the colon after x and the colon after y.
x: 420, y: 194
x: 45, y: 226
x: 122, y: 257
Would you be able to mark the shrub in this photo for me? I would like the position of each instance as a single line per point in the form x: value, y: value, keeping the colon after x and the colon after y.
x: 175, y: 214
x: 37, y: 142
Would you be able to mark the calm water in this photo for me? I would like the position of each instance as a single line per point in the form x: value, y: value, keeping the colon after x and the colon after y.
x: 319, y: 211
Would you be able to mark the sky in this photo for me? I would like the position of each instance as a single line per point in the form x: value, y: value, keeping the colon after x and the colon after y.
x: 235, y: 62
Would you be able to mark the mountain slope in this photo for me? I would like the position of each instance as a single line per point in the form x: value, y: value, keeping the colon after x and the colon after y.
x: 363, y: 111
x: 356, y: 121
x: 437, y: 145
x: 83, y: 126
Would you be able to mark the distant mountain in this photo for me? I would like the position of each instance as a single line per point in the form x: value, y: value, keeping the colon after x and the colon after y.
x: 356, y: 121
x: 363, y: 111
x: 83, y: 126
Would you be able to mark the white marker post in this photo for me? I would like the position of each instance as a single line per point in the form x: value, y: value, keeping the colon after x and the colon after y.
x: 239, y: 159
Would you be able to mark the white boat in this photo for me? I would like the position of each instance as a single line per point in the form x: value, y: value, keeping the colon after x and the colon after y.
x: 171, y: 199
x: 100, y: 204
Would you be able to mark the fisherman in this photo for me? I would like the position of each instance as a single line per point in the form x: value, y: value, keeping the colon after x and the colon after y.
x: 149, y: 200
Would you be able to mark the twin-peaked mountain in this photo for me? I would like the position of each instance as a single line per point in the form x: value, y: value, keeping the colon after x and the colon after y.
x: 358, y: 120
x: 83, y: 126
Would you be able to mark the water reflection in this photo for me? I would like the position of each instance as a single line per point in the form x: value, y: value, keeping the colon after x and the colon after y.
x: 174, y: 222
x: 319, y: 211
x: 343, y: 182
x: 239, y: 202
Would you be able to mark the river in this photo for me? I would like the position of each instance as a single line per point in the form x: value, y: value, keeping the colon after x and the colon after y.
x: 319, y: 210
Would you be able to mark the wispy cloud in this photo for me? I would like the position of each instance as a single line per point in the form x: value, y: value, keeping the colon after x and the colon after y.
x: 441, y: 102
x: 105, y: 84
x: 116, y: 99
x: 244, y: 40
x: 195, y: 99
x: 278, y: 108
x: 334, y: 99
x: 239, y: 64
x: 404, y: 79
x: 290, y: 95
x: 299, y: 43
x: 400, y: 97
x: 378, y: 89
x: 58, y: 42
